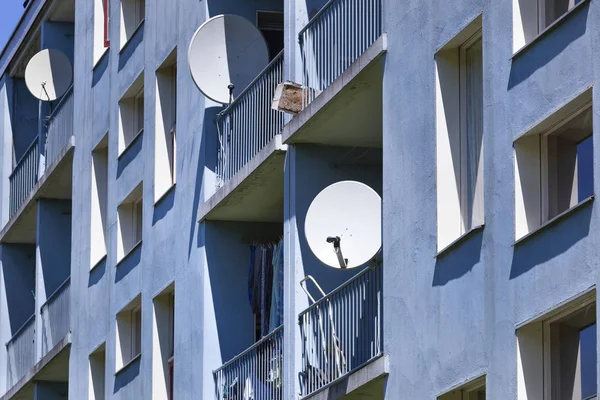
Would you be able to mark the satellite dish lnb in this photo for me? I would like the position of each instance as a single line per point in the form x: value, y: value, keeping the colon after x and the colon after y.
x: 226, y: 53
x: 48, y: 75
x: 343, y: 225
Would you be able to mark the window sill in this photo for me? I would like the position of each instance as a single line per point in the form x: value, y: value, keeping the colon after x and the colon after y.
x: 99, y: 60
x: 137, y: 29
x: 556, y: 219
x: 130, y: 144
x: 549, y: 28
x: 459, y: 240
x: 165, y: 194
x: 129, y: 253
x: 98, y: 263
x: 132, y: 361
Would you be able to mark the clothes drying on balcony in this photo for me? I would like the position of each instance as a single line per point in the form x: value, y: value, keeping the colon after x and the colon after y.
x: 265, y: 285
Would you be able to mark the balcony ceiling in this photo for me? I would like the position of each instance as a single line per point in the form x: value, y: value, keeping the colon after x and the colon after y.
x: 349, y: 111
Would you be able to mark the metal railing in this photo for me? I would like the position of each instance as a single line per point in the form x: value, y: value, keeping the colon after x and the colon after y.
x: 56, y: 316
x: 60, y: 127
x: 257, y: 373
x: 334, y: 38
x: 249, y: 123
x: 21, y: 351
x: 24, y: 176
x: 342, y: 331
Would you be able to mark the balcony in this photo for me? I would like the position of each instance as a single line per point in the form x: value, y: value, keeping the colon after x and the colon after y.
x: 250, y: 156
x: 342, y: 340
x: 21, y: 352
x: 56, y: 317
x: 32, y: 179
x: 257, y: 373
x: 342, y: 74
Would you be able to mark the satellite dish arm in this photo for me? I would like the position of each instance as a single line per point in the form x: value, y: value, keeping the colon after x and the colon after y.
x: 338, y: 251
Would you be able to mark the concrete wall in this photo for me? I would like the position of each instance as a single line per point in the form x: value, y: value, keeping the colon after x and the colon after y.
x: 173, y: 247
x: 449, y: 319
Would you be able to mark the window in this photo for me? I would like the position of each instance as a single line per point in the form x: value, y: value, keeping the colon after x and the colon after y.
x: 130, y: 222
x: 270, y: 23
x: 554, y: 166
x: 459, y: 126
x: 97, y: 373
x: 165, y: 127
x: 474, y: 390
x: 131, y: 114
x: 129, y: 333
x: 531, y: 17
x: 133, y: 13
x: 99, y: 200
x: 163, y: 344
x: 557, y: 354
x: 101, y: 26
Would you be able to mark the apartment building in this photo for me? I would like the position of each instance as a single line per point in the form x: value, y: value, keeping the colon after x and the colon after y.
x: 153, y: 242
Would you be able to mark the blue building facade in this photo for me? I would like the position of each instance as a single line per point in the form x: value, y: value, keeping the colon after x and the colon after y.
x: 153, y: 242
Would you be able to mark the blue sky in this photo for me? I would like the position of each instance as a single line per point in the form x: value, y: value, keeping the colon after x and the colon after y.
x: 9, y: 16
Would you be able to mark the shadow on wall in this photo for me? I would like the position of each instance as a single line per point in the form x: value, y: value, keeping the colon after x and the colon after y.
x: 457, y: 262
x: 550, y: 243
x: 164, y: 205
x: 228, y: 262
x: 207, y: 154
x: 131, y: 46
x: 100, y: 69
x: 548, y: 47
x: 97, y: 273
x: 125, y: 376
x: 18, y: 267
x: 130, y: 154
x: 128, y: 263
x: 246, y: 9
x: 54, y: 244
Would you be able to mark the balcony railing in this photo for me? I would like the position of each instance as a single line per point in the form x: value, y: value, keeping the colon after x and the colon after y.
x: 342, y: 331
x: 255, y: 374
x: 249, y: 123
x: 24, y: 176
x: 21, y: 352
x: 56, y: 316
x: 60, y: 127
x: 334, y: 38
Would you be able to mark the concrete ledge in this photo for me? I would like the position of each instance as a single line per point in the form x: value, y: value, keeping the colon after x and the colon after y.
x: 254, y: 192
x: 49, y: 185
x: 367, y: 382
x: 354, y: 81
x: 39, y: 367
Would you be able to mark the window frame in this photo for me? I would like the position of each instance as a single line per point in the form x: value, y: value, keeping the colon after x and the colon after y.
x: 548, y: 367
x: 137, y: 215
x: 466, y: 209
x: 137, y: 110
x: 545, y: 205
x: 136, y: 331
x: 106, y: 8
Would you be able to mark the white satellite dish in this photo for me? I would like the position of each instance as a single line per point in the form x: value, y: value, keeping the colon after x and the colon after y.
x: 226, y: 53
x: 343, y: 225
x: 48, y: 74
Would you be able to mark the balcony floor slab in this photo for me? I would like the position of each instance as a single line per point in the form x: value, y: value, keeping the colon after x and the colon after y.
x: 366, y: 383
x: 255, y: 193
x: 55, y: 183
x: 349, y: 111
x: 53, y: 367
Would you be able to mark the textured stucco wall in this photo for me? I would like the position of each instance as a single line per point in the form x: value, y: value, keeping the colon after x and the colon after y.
x: 173, y: 241
x: 451, y: 318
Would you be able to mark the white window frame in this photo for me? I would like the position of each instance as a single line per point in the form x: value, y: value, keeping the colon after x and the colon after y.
x: 542, y: 17
x: 472, y: 388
